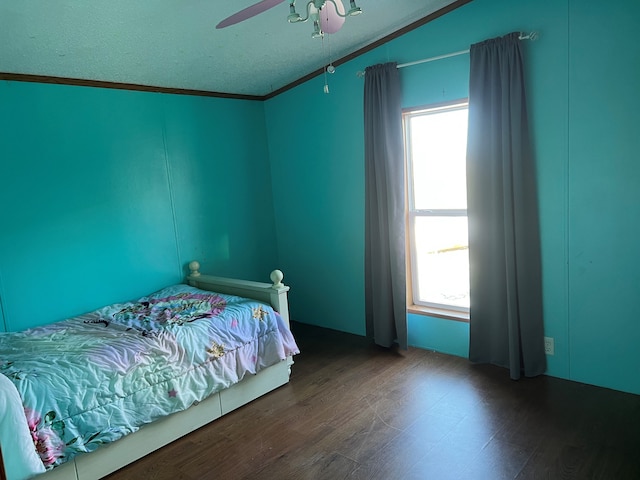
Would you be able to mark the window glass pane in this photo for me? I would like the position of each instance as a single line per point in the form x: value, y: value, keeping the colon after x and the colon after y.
x: 438, y: 143
x: 442, y: 261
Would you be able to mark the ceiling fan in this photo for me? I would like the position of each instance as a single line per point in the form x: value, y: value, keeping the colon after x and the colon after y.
x: 327, y: 15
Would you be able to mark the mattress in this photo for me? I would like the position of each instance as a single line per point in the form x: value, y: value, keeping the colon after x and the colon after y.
x: 90, y: 380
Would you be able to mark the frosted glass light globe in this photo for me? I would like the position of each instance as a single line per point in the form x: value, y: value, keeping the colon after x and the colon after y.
x: 330, y: 21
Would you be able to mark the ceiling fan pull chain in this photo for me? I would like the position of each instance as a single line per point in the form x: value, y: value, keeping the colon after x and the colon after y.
x: 330, y: 67
x: 326, y: 80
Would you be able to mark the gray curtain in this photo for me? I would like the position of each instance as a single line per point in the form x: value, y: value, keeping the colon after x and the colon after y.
x: 506, y: 324
x: 385, y: 279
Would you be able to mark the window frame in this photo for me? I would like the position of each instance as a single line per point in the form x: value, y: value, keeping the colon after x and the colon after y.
x: 433, y: 309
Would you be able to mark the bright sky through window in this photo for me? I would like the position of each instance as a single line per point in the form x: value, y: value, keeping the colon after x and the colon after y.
x: 436, y: 151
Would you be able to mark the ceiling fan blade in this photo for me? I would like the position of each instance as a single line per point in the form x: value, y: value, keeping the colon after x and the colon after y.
x: 248, y: 12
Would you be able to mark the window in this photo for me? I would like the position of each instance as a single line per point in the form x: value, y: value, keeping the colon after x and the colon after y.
x: 435, y: 148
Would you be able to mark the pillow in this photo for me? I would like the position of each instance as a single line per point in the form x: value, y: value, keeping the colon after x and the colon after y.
x: 174, y: 305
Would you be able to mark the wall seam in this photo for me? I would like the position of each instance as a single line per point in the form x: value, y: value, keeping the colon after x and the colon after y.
x: 276, y: 223
x: 568, y: 193
x: 171, y: 191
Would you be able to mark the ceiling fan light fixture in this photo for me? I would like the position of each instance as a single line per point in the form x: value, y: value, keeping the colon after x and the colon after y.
x: 354, y: 9
x: 331, y: 20
x: 317, y: 33
x: 293, y: 17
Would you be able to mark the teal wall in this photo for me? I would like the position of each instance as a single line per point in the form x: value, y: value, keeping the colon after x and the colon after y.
x: 583, y: 76
x: 106, y: 195
x: 604, y: 194
x: 315, y: 147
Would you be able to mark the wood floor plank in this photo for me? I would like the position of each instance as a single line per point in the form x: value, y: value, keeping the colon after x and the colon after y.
x: 305, y: 465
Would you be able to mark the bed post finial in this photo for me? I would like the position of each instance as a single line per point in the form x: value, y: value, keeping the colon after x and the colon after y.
x: 194, y: 267
x: 276, y: 277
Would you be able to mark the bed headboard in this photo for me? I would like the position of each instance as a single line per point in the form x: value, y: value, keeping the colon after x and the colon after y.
x: 274, y: 293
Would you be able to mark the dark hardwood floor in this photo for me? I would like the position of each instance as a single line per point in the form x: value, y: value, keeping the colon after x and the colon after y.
x: 356, y: 411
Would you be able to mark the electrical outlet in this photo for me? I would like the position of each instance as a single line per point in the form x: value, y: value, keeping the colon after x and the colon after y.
x: 549, y: 346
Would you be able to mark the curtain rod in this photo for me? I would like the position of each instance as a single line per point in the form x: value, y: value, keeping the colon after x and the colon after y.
x: 529, y: 36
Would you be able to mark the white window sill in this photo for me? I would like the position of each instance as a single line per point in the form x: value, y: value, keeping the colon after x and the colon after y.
x: 439, y: 313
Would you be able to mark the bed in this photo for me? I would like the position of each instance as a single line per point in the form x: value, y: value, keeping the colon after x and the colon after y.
x: 220, y: 344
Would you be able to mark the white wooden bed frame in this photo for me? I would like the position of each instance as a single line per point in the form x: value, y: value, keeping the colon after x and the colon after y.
x: 153, y: 436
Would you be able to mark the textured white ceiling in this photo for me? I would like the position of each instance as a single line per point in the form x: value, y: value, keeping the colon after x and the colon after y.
x: 174, y: 43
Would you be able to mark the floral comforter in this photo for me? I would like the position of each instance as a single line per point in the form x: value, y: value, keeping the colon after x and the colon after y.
x: 90, y: 380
